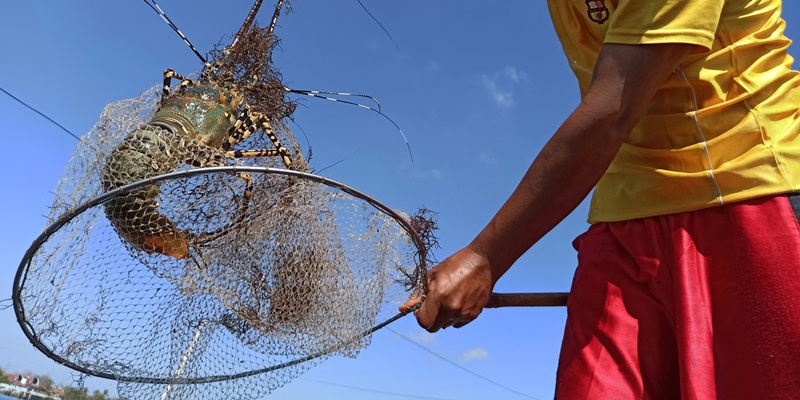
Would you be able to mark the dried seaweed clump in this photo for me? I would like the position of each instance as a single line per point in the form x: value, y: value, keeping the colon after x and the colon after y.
x: 250, y: 67
x: 425, y: 225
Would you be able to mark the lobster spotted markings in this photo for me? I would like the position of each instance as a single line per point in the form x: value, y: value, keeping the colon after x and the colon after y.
x: 198, y: 125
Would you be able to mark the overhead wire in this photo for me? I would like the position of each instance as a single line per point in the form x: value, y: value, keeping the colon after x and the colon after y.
x: 40, y: 113
x: 379, y: 24
x: 383, y: 392
x: 458, y: 366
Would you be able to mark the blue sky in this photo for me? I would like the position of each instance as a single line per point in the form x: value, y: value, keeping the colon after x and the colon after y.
x: 477, y: 87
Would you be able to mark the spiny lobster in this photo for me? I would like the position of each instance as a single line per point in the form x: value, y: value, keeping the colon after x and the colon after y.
x: 214, y: 111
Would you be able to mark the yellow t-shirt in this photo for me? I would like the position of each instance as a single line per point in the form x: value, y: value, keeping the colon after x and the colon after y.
x: 724, y: 127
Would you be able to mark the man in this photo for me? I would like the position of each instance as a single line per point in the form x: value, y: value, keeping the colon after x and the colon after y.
x: 688, y: 280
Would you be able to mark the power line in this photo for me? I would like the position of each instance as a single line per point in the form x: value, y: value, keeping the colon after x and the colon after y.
x: 379, y: 24
x: 40, y: 113
x: 453, y: 363
x: 362, y: 389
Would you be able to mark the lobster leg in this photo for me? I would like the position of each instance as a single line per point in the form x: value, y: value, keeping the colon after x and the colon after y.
x: 253, y: 153
x: 169, y: 75
x: 247, y: 123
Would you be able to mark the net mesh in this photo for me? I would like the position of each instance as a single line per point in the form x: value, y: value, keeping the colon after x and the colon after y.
x: 303, y: 270
x: 207, y: 285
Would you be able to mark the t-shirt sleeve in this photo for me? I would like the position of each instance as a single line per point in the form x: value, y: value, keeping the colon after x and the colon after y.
x: 665, y: 21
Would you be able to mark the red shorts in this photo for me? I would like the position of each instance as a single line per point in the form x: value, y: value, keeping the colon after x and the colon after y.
x: 696, y: 305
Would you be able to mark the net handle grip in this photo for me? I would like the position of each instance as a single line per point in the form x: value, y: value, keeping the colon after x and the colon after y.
x: 555, y: 299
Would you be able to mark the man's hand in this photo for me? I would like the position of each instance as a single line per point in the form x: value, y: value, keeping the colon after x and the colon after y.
x: 458, y: 288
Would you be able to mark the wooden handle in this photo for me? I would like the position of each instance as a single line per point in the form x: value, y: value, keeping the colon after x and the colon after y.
x: 527, y: 300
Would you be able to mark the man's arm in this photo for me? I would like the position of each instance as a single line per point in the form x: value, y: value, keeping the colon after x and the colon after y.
x: 625, y: 79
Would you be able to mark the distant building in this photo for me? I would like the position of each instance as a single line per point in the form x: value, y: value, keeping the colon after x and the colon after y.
x: 24, y: 380
x: 30, y: 384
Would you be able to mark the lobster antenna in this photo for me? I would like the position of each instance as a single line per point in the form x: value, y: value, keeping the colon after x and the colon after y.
x: 315, y: 93
x: 274, y: 21
x: 166, y: 19
x: 248, y: 22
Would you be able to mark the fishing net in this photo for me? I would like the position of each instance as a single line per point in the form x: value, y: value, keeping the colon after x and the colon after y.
x: 184, y: 274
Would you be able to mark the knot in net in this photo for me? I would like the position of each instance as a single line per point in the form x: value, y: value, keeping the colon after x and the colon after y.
x: 184, y: 274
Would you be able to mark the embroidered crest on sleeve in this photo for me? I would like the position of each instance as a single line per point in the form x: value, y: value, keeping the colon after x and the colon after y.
x: 597, y: 10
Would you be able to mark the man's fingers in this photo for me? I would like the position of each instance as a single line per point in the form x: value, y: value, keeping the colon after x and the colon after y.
x: 410, y: 303
x: 429, y: 315
x: 460, y: 324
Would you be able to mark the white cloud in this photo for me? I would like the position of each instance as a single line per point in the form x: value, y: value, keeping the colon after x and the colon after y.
x: 514, y: 75
x: 487, y: 158
x: 501, y: 96
x: 475, y: 354
x: 423, y: 337
x: 500, y: 85
x: 429, y: 173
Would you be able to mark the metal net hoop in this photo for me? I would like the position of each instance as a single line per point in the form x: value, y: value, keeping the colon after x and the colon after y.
x: 39, y: 286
